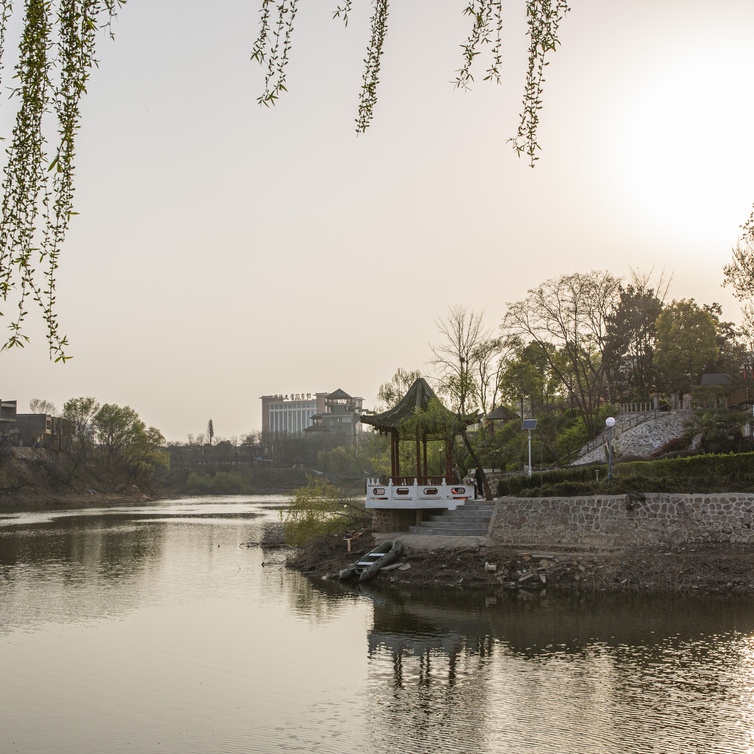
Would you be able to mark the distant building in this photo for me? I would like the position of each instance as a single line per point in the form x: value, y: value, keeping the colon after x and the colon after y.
x: 307, y: 414
x: 7, y: 418
x: 342, y: 415
x: 290, y: 414
x: 32, y: 430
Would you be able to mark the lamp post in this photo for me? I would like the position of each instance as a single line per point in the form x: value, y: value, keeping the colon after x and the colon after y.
x: 610, y: 422
x: 529, y: 425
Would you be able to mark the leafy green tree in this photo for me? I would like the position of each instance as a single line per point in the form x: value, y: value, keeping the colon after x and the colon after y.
x: 686, y: 343
x: 117, y: 427
x: 529, y: 379
x: 80, y: 413
x: 630, y: 343
x: 367, y: 455
x: 145, y: 453
x: 391, y: 393
x: 732, y: 351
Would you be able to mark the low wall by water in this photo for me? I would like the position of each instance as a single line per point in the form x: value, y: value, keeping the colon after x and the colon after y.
x: 611, y: 521
x: 392, y: 519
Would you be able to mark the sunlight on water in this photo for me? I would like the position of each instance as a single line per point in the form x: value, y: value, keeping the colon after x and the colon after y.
x: 137, y: 630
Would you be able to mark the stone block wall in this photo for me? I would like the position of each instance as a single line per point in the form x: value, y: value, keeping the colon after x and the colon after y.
x: 612, y: 521
x: 393, y: 519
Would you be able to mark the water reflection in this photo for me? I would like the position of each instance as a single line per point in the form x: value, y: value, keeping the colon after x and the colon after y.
x: 157, y: 629
x: 557, y: 675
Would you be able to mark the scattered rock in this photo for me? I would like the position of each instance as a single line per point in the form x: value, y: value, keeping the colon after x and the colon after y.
x: 709, y: 567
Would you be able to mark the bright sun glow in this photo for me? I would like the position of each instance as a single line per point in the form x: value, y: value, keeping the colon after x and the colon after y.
x: 687, y: 157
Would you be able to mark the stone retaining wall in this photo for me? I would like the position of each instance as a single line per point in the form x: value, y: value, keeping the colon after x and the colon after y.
x: 623, y: 520
x: 390, y: 519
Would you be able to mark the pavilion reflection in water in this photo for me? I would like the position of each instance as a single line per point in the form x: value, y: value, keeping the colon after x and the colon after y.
x: 474, y: 672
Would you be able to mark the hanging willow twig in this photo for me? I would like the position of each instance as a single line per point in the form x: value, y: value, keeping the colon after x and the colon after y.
x: 368, y: 96
x: 56, y: 55
x: 25, y: 170
x: 543, y: 18
x: 77, y: 25
x: 343, y: 11
x: 273, y: 50
x: 487, y: 30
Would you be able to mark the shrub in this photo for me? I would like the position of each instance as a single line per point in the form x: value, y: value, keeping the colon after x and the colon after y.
x: 220, y: 483
x: 699, y: 473
x: 320, y: 508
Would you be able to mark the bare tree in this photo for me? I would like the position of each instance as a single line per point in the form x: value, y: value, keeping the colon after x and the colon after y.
x: 457, y: 363
x: 40, y: 406
x: 489, y: 361
x: 571, y: 313
x: 456, y: 355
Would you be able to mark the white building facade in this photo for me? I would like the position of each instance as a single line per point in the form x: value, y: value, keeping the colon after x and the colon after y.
x: 299, y: 414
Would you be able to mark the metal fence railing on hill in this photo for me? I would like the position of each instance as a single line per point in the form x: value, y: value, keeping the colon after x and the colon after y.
x: 623, y: 422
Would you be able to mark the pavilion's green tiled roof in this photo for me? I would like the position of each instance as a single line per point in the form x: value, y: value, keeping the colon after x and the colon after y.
x: 417, y: 401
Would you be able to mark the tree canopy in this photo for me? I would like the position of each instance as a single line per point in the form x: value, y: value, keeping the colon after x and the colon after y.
x: 739, y: 274
x: 686, y: 342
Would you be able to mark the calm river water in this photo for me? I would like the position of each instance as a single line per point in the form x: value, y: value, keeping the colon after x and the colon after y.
x: 155, y: 629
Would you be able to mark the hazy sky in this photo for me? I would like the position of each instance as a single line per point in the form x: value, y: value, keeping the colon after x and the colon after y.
x: 225, y: 251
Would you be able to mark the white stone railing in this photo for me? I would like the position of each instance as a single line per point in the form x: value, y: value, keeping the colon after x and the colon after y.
x: 417, y: 496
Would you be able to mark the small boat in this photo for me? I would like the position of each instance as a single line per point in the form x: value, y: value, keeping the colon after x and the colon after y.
x: 370, y: 564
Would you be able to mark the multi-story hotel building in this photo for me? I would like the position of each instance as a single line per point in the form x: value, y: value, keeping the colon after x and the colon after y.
x: 290, y: 414
x: 295, y: 413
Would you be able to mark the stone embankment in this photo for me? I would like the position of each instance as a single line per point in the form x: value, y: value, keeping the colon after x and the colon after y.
x: 651, y: 543
x: 618, y: 521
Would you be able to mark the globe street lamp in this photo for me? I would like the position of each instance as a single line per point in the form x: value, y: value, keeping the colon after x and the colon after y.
x: 529, y: 425
x: 610, y: 422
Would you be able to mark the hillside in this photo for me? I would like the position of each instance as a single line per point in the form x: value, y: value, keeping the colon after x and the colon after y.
x: 34, y: 477
x: 637, y: 435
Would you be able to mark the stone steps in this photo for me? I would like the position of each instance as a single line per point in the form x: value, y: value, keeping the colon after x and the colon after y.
x: 469, y: 520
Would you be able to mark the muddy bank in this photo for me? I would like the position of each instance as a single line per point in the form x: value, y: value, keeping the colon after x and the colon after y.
x: 711, y: 568
x: 69, y: 500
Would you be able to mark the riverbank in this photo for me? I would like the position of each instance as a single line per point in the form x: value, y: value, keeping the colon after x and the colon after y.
x: 479, y: 563
x: 47, y: 501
